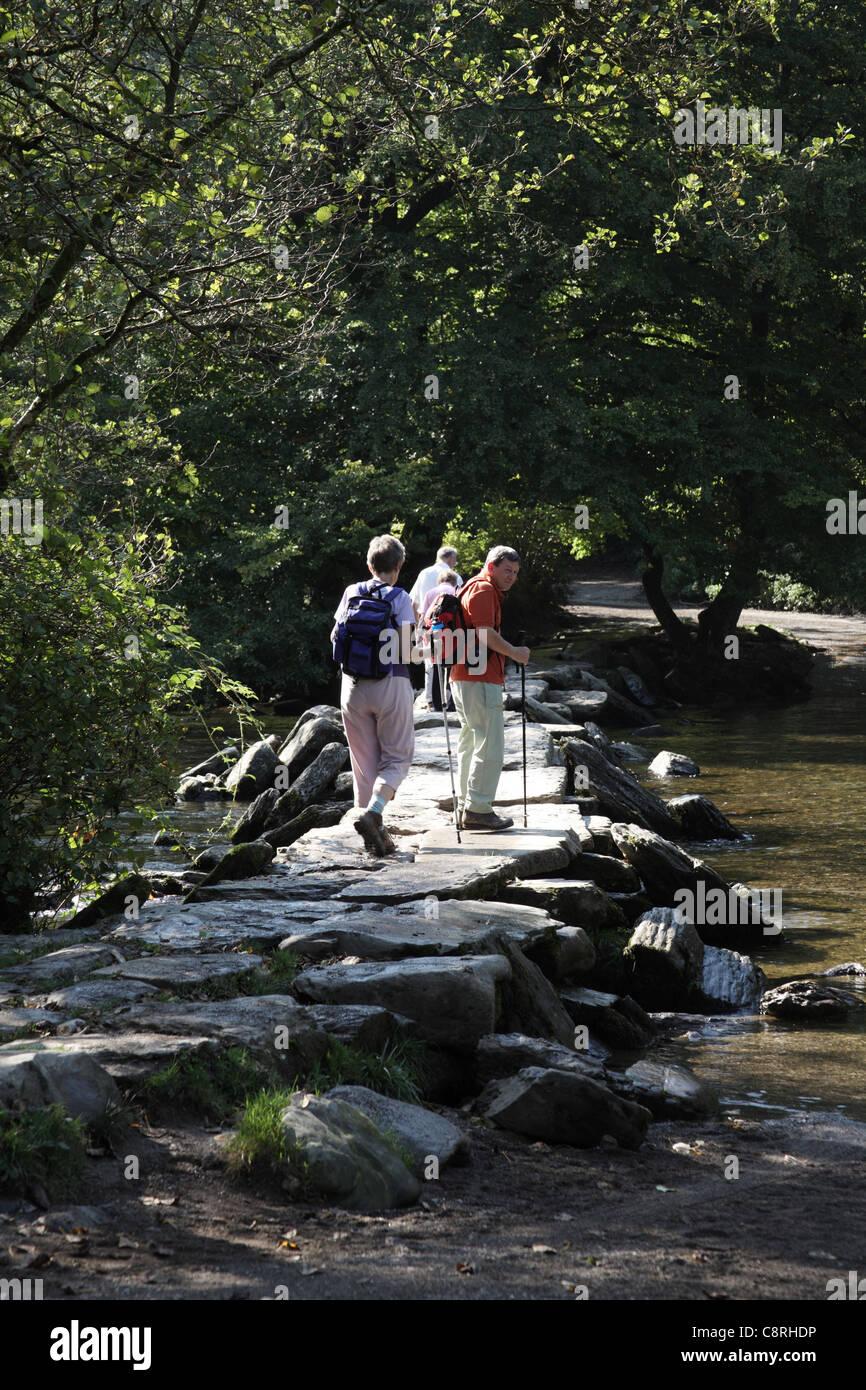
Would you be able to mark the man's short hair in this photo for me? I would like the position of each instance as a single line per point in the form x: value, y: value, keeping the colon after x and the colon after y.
x: 446, y: 552
x: 385, y: 553
x: 500, y: 553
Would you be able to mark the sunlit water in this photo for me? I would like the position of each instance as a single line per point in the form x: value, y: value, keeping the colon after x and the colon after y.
x: 794, y: 780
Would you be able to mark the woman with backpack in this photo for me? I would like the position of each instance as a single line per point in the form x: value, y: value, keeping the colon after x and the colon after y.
x: 376, y: 696
x: 449, y: 583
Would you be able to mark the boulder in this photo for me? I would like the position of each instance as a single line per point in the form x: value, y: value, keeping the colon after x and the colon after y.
x: 663, y: 867
x: 31, y: 1077
x: 210, y: 856
x: 187, y: 968
x: 668, y: 1092
x: 630, y: 753
x: 672, y: 969
x: 617, y: 1020
x: 851, y: 967
x: 808, y: 1002
x: 253, y: 773
x: 363, y: 1026
x: 315, y: 712
x: 559, y: 1107
x: 542, y: 713
x: 609, y: 873
x: 274, y: 1028
x: 454, y: 1002
x: 699, y: 819
x: 596, y: 735
x: 344, y: 787
x: 114, y: 899
x: 619, y: 794
x: 310, y: 784
x: 307, y: 741
x: 255, y: 818
x: 575, y: 902
x: 666, y: 958
x: 666, y: 764
x: 730, y: 981
x: 417, y: 1130
x: 636, y: 687
x: 343, y: 1157
x: 241, y: 861
x: 530, y: 1004
x: 505, y: 1054
x: 614, y: 709
x: 217, y: 762
x: 68, y: 964
x: 436, y: 928
x: 99, y: 994
x: 323, y: 814
x: 568, y: 952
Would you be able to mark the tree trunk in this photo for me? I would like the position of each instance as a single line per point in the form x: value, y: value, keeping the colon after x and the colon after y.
x: 720, y: 617
x: 651, y: 579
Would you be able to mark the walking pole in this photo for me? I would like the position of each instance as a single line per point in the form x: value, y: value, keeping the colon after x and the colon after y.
x: 520, y: 643
x: 437, y: 631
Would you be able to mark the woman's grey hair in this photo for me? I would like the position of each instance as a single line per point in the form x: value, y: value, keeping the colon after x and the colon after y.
x: 500, y: 553
x: 385, y: 554
x: 449, y: 577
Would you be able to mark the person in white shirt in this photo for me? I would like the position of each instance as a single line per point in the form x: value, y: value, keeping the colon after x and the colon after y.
x: 446, y: 559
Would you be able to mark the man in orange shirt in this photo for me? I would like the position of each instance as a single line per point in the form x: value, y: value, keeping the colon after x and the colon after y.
x: 477, y: 688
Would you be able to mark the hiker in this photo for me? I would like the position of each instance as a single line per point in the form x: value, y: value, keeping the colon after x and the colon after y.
x: 446, y: 558
x: 477, y: 689
x: 449, y: 584
x: 376, y: 698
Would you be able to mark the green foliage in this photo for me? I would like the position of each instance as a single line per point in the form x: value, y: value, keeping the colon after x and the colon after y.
x: 259, y: 1149
x: 45, y: 1146
x: 207, y: 1086
x: 398, y: 1070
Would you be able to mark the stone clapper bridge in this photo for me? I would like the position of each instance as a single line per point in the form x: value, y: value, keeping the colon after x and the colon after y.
x: 484, y: 950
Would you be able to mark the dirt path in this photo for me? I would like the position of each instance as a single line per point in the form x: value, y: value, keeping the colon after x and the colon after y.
x: 612, y: 594
x: 521, y: 1221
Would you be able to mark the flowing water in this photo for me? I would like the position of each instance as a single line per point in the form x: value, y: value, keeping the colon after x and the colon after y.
x: 793, y: 779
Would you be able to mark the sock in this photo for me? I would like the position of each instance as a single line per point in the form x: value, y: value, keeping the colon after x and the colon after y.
x: 377, y: 804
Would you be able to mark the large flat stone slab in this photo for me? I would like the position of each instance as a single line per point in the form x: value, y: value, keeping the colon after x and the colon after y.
x: 454, y: 1002
x: 532, y: 851
x: 202, y: 926
x: 96, y: 994
x: 453, y: 927
x: 543, y: 785
x: 127, y: 1057
x: 463, y: 873
x: 275, y: 1028
x: 69, y: 963
x: 188, y: 968
x: 577, y: 902
x: 12, y: 1021
x: 299, y: 892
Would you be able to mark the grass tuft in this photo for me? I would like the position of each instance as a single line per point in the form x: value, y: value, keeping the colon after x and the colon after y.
x: 45, y: 1146
x: 208, y: 1087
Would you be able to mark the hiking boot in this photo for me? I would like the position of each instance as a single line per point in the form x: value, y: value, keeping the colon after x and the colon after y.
x: 477, y: 820
x: 369, y: 827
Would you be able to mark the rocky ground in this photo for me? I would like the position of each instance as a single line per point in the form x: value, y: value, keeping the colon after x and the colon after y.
x: 527, y: 964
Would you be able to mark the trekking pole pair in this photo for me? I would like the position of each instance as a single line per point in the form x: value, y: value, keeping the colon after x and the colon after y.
x: 521, y: 636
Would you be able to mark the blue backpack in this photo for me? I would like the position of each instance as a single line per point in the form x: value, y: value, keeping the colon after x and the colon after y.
x: 357, y: 641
